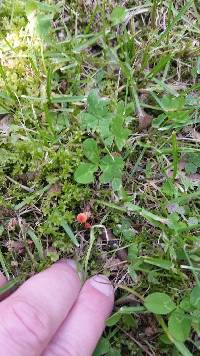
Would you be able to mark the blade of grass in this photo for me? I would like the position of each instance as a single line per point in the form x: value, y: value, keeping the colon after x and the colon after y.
x: 9, y: 285
x: 87, y: 43
x: 175, y: 155
x: 37, y: 243
x: 177, y: 18
x: 151, y: 217
x: 124, y: 311
x: 92, y: 18
x: 30, y: 198
x: 138, y: 162
x: 196, y: 11
x: 163, y: 61
x: 169, y: 17
x: 153, y: 13
x: 49, y: 81
x: 70, y: 233
x: 3, y: 264
x: 67, y: 99
x: 191, y: 267
x: 91, y: 243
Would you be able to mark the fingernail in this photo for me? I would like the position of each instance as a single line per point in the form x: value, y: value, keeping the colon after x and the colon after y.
x: 75, y: 267
x: 72, y: 264
x: 102, y: 284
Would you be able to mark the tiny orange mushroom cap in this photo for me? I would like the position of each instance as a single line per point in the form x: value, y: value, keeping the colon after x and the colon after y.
x: 82, y: 218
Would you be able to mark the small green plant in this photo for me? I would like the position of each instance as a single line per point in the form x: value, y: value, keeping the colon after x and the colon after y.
x: 40, y: 16
x: 192, y: 162
x: 177, y: 112
x: 118, y: 15
x: 110, y: 166
x: 111, y: 134
x: 182, y: 317
x: 109, y: 126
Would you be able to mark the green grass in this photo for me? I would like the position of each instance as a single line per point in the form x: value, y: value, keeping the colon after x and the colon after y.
x: 99, y: 113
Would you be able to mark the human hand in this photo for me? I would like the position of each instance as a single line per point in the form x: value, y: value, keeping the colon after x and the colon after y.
x: 52, y: 315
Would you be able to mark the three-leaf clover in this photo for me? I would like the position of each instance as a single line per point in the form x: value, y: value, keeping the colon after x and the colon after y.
x: 159, y: 303
x: 84, y: 174
x: 175, y: 112
x: 192, y: 162
x: 120, y: 132
x: 109, y: 126
x: 97, y: 111
x: 179, y: 325
x: 111, y: 166
x: 91, y: 150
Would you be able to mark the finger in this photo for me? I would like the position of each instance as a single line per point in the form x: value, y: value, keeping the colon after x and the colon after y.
x: 81, y: 331
x: 30, y: 317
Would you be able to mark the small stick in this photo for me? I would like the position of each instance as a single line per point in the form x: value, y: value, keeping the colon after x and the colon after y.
x: 30, y: 190
x: 137, y: 342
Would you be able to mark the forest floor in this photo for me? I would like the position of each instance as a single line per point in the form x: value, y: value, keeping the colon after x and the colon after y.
x: 100, y: 158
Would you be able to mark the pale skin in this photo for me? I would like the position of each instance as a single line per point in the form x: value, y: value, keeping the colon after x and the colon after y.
x: 53, y: 314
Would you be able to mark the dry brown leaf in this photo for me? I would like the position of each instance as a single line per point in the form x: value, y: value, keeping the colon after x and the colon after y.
x: 144, y: 120
x: 15, y: 246
x: 5, y: 125
x: 151, y: 330
x: 113, y: 264
x: 122, y: 254
x: 195, y: 178
x: 5, y: 212
x: 28, y: 177
x: 55, y: 188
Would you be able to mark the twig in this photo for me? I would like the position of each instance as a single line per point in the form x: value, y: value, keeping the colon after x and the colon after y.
x: 117, y: 264
x: 132, y: 291
x: 136, y: 342
x: 30, y: 190
x: 126, y: 299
